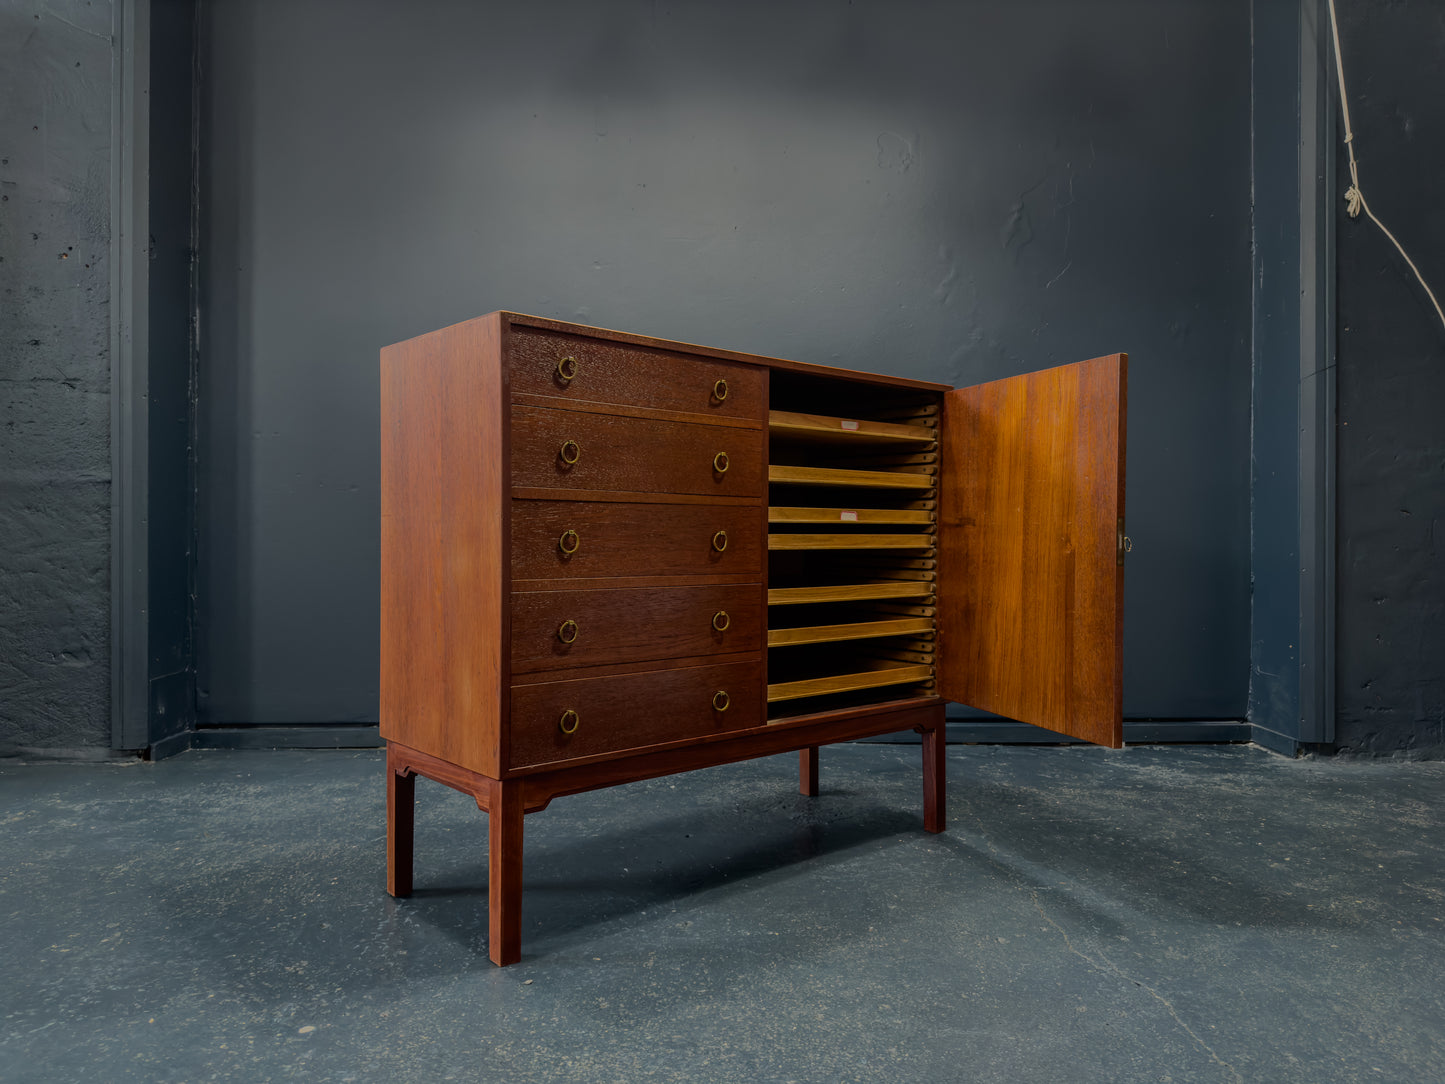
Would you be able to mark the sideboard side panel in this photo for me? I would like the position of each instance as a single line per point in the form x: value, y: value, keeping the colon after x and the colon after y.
x: 443, y: 533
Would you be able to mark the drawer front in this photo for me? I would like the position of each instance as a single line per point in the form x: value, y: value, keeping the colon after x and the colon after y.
x: 607, y: 372
x: 631, y: 711
x: 551, y: 629
x: 565, y: 449
x: 609, y: 539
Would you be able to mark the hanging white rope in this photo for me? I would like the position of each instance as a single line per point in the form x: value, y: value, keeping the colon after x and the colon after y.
x: 1354, y: 198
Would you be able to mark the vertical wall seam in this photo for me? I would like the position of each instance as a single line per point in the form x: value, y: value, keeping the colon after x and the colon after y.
x: 1316, y: 382
x: 1254, y: 654
x: 194, y: 368
x: 117, y: 390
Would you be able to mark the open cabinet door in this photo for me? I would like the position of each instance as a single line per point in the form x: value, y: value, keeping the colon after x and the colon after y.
x: 1031, y: 548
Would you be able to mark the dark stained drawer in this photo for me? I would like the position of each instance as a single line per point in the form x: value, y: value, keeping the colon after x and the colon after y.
x: 552, y: 629
x: 566, y: 449
x: 607, y: 539
x: 608, y: 372
x: 631, y: 711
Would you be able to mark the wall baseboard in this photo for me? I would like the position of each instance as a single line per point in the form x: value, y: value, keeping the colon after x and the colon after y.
x: 300, y: 736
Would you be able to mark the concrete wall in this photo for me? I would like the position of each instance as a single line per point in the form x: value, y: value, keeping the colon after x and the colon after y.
x: 954, y: 191
x: 1391, y: 648
x: 55, y: 465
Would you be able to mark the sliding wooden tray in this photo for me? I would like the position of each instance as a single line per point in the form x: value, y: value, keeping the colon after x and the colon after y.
x: 850, y: 431
x: 849, y: 592
x: 863, y: 479
x: 850, y: 541
x: 857, y: 630
x: 921, y: 516
x: 842, y: 683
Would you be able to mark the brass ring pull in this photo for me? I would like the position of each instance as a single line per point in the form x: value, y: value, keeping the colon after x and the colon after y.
x: 569, y: 542
x: 720, y: 390
x: 570, y: 452
x: 720, y: 462
x: 567, y: 369
x: 720, y: 541
x: 567, y: 631
x: 568, y: 722
x: 721, y: 621
x: 720, y: 701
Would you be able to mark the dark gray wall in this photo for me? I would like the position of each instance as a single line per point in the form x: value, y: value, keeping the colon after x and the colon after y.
x: 55, y: 465
x: 1391, y: 661
x: 955, y: 191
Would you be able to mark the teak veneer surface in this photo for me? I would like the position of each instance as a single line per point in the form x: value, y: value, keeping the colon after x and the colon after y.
x: 780, y: 735
x: 635, y: 454
x: 443, y: 534
x: 632, y: 711
x: 632, y: 624
x: 519, y: 323
x: 628, y: 373
x: 633, y: 540
x: 1031, y: 578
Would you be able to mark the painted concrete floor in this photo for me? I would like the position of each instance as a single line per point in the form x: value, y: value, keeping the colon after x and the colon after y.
x: 1156, y: 914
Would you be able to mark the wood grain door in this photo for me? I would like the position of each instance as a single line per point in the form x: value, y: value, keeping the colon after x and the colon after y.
x: 1031, y: 575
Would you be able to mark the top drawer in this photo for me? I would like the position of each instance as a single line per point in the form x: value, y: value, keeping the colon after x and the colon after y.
x: 619, y: 373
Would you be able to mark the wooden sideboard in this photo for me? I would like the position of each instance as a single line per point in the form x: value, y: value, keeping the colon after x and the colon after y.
x: 609, y: 557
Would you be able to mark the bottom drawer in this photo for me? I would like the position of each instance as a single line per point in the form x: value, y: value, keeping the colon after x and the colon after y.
x: 564, y: 720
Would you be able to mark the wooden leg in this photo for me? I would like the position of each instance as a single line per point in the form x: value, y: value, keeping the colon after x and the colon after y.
x: 400, y: 818
x: 935, y: 787
x: 504, y: 872
x: 808, y: 771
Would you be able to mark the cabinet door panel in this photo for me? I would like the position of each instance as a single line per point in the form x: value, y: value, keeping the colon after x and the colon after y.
x: 1031, y: 577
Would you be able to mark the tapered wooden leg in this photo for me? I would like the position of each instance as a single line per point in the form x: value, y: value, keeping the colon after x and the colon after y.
x: 504, y: 872
x: 808, y: 771
x: 935, y: 786
x: 400, y: 818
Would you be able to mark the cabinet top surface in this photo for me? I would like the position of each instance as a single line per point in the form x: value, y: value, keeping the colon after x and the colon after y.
x: 542, y: 323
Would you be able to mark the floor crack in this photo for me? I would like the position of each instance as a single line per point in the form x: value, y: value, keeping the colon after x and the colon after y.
x: 1102, y: 963
x: 75, y: 26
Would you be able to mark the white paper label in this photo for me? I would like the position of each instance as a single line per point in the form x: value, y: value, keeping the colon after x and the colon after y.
x: 846, y: 424
x: 851, y: 517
